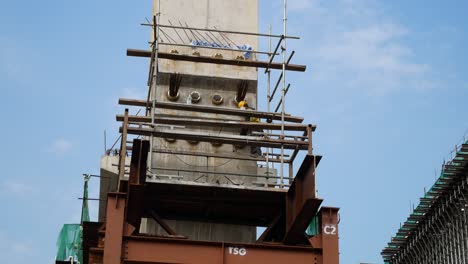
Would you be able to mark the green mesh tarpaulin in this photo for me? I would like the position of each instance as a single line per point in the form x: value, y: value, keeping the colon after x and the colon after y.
x: 69, y: 243
x: 84, y: 209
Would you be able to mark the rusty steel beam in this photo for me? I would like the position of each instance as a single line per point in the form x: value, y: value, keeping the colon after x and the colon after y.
x: 267, y: 232
x: 123, y: 146
x: 162, y: 223
x: 301, y: 204
x: 115, y: 220
x: 213, y: 110
x: 166, y: 250
x: 295, y: 234
x: 328, y: 236
x: 214, y: 123
x: 182, y: 200
x: 240, y: 140
x: 205, y: 59
x: 137, y: 177
x: 140, y: 150
x: 330, y: 243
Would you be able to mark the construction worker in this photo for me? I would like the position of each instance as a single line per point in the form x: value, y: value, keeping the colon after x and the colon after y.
x: 254, y: 150
x: 244, y: 106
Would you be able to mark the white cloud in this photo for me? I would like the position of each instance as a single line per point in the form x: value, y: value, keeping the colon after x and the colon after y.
x: 355, y: 43
x: 8, y: 67
x: 22, y: 247
x: 60, y: 146
x: 13, y: 248
x: 15, y: 60
x: 15, y: 188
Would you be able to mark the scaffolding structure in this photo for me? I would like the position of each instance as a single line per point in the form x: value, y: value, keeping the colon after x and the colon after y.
x: 291, y: 138
x: 173, y: 197
x: 437, y: 229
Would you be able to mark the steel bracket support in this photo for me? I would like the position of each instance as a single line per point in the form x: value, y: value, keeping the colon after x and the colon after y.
x: 137, y: 178
x: 138, y: 162
x: 329, y: 223
x: 115, y: 220
x: 301, y: 202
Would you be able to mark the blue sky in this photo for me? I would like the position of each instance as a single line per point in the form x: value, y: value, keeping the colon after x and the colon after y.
x: 386, y: 84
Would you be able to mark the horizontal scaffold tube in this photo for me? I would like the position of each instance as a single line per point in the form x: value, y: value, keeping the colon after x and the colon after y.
x: 223, y: 139
x: 214, y: 123
x: 205, y: 59
x: 214, y: 110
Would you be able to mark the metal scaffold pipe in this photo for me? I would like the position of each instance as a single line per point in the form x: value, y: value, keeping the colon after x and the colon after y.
x: 283, y: 52
x: 268, y: 96
x: 155, y: 69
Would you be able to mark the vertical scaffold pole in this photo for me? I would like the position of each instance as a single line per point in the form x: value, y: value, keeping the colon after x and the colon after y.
x: 154, y: 81
x: 268, y: 97
x: 283, y: 90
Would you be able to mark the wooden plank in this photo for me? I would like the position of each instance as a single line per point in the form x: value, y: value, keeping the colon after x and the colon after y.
x: 205, y: 59
x: 233, y: 140
x: 213, y: 123
x: 213, y: 110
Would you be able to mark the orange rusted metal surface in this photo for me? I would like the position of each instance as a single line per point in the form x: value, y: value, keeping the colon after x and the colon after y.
x: 114, y: 227
x: 286, y: 213
x: 162, y: 250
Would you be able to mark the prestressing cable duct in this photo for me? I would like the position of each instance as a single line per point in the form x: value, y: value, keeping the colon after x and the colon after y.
x: 242, y: 88
x: 174, y: 84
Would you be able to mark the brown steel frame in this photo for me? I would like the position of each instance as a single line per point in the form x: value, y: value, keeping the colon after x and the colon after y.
x: 284, y: 241
x: 285, y: 212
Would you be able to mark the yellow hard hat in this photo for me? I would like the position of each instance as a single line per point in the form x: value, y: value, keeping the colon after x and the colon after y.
x: 241, y: 104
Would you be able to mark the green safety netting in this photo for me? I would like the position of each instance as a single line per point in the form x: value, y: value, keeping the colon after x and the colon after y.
x: 422, y: 209
x: 69, y: 242
x: 313, y: 229
x: 84, y: 209
x: 442, y: 173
